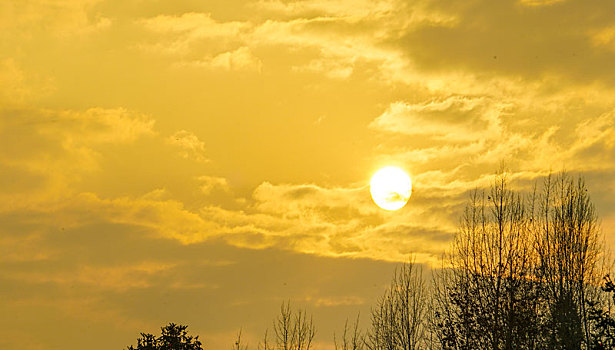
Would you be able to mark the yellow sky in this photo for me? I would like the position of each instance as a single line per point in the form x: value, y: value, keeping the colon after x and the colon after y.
x: 201, y: 161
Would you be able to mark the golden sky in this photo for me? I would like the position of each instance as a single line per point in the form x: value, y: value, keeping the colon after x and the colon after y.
x: 201, y: 161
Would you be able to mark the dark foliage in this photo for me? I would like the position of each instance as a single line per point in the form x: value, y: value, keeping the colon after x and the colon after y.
x: 173, y: 337
x: 602, y: 321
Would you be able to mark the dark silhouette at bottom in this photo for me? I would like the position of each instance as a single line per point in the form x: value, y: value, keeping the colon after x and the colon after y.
x: 173, y: 337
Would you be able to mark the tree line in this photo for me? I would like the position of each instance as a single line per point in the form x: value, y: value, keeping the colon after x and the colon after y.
x: 524, y: 271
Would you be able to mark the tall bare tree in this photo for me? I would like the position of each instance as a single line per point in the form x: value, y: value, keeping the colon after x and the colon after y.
x: 293, y: 330
x: 486, y: 296
x: 238, y: 344
x: 522, y: 272
x: 566, y: 230
x: 352, y: 338
x: 398, y: 319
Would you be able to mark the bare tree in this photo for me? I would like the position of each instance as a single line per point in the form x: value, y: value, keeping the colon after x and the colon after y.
x: 398, y: 319
x: 486, y: 296
x: 352, y: 338
x: 293, y: 330
x: 567, y: 244
x: 238, y: 345
x: 522, y: 273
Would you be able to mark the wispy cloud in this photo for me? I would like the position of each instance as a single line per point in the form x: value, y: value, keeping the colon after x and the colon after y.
x: 54, y: 148
x: 189, y: 144
x: 455, y: 118
x: 241, y: 59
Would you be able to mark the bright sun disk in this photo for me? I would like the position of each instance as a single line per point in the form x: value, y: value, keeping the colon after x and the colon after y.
x: 391, y: 188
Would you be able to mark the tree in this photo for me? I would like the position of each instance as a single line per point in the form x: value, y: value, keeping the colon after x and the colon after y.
x: 173, y: 337
x: 293, y: 330
x: 352, y: 338
x: 523, y: 271
x: 486, y: 297
x: 398, y: 317
x: 601, y: 319
x: 566, y: 230
x: 238, y: 345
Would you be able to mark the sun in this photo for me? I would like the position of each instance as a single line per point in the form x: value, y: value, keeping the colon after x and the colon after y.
x: 391, y: 188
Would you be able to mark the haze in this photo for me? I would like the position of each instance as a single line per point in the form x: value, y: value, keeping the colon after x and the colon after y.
x: 202, y: 161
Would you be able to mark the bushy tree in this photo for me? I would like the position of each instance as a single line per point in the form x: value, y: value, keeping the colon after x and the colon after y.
x: 173, y: 337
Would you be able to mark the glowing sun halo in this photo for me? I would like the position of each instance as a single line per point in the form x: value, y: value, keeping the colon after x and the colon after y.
x: 391, y: 188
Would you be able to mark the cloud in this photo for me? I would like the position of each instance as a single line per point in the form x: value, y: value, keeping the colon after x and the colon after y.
x: 115, y: 278
x: 301, y: 218
x: 335, y: 301
x: 304, y: 200
x: 334, y: 48
x: 603, y: 37
x: 44, y: 152
x: 167, y: 218
x: 539, y: 2
x: 455, y: 118
x: 456, y: 139
x: 63, y: 18
x: 331, y: 222
x: 337, y: 8
x: 99, y: 125
x: 517, y: 40
x: 594, y: 145
x: 12, y: 83
x: 116, y: 288
x: 74, y: 128
x: 336, y: 35
x: 212, y: 183
x: 241, y: 59
x: 188, y: 29
x: 446, y: 135
x: 22, y: 249
x: 198, y: 25
x: 189, y: 144
x: 335, y: 69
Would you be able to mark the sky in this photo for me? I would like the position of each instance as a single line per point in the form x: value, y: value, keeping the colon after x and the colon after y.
x: 200, y: 162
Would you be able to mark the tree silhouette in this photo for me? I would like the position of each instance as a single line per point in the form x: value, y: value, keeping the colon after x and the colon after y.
x: 293, y: 330
x: 352, y: 338
x: 567, y: 236
x: 173, y: 337
x: 398, y: 319
x: 523, y: 270
x: 238, y: 345
x: 485, y: 298
x: 601, y: 319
